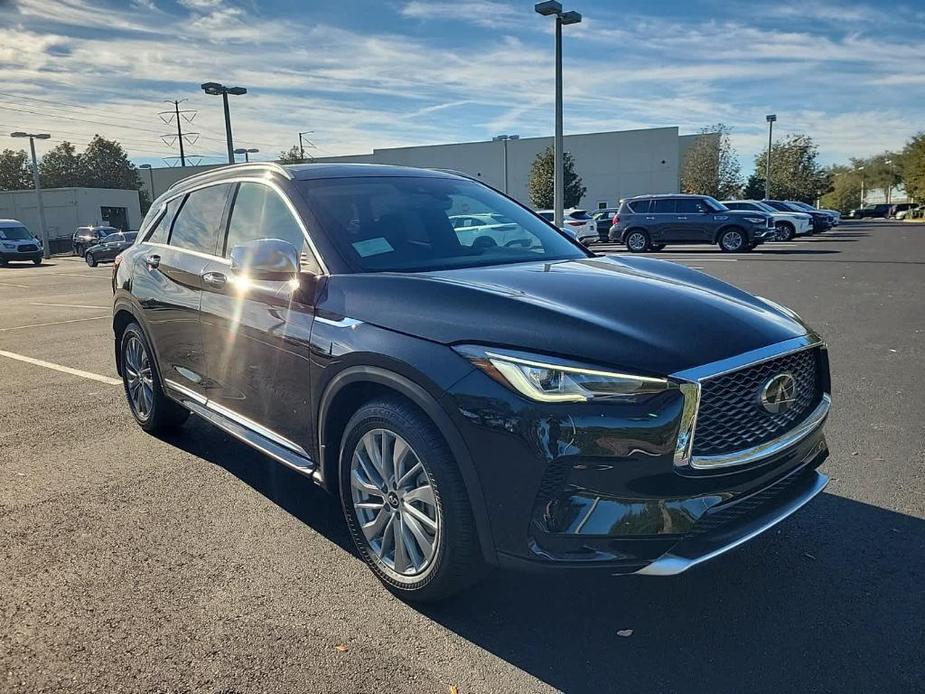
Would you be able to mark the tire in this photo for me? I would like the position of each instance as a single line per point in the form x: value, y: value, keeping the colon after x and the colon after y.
x: 637, y: 241
x: 455, y: 559
x: 733, y: 240
x: 786, y: 231
x: 657, y: 246
x: 37, y: 261
x: 91, y: 261
x: 150, y: 407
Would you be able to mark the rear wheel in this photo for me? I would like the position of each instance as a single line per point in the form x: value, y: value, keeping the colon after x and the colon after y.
x: 152, y: 409
x: 91, y: 261
x: 637, y: 241
x: 405, y: 503
x: 733, y: 241
x: 785, y: 231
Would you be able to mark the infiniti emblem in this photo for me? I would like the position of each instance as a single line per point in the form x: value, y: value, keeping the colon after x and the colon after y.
x: 778, y: 394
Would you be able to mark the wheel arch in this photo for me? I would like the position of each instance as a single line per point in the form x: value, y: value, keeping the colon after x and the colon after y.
x: 635, y: 227
x: 355, y: 385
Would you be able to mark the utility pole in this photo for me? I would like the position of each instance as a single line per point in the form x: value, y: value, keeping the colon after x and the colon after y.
x: 767, y: 163
x: 177, y: 114
x: 36, y: 181
x: 302, y: 146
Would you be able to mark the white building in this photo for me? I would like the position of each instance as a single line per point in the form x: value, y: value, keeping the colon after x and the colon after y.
x: 69, y: 208
x: 612, y: 165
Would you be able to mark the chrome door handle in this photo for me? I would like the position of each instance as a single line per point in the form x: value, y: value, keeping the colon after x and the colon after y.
x: 682, y: 217
x: 152, y: 261
x: 650, y: 218
x: 216, y: 280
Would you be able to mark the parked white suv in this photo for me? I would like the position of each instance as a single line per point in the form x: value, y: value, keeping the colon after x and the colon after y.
x: 788, y: 224
x: 18, y: 243
x: 577, y: 223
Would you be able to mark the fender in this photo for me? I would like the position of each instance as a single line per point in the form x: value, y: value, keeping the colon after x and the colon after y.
x: 432, y: 408
x: 125, y: 302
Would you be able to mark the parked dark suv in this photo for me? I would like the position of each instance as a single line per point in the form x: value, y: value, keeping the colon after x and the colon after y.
x: 331, y: 317
x: 650, y: 222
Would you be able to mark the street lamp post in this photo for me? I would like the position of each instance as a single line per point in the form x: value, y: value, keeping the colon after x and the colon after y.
x: 505, y: 139
x: 770, y: 118
x: 151, y: 177
x: 216, y: 89
x: 861, y: 169
x: 552, y: 8
x: 43, y: 229
x: 246, y: 152
x: 889, y: 188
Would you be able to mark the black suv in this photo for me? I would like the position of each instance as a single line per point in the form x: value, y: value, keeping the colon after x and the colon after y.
x: 650, y: 222
x: 330, y: 316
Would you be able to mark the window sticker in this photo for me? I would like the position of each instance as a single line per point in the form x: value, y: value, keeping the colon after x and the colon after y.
x: 376, y: 246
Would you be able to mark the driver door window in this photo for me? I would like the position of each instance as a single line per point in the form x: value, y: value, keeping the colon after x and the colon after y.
x: 260, y: 213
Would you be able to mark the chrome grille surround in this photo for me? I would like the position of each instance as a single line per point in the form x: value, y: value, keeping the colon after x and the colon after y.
x: 694, y: 382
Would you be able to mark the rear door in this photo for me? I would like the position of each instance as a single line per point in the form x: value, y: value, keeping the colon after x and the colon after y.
x: 168, y: 282
x: 256, y: 332
x: 660, y: 220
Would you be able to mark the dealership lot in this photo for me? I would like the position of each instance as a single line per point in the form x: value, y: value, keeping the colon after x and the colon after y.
x: 194, y: 564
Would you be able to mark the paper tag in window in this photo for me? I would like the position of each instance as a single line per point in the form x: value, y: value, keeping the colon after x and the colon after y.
x: 376, y: 246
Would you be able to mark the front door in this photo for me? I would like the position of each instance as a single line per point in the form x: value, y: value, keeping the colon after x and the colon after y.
x: 692, y: 221
x: 168, y: 283
x: 257, y: 332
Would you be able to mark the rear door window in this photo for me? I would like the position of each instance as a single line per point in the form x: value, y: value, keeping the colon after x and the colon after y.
x: 663, y: 206
x: 197, y: 226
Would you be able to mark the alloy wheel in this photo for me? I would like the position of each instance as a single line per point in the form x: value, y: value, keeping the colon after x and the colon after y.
x: 733, y: 240
x: 395, y: 505
x: 637, y: 241
x: 139, y: 379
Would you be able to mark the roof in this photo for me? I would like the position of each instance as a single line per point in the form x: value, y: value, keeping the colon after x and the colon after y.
x: 10, y: 223
x: 667, y: 195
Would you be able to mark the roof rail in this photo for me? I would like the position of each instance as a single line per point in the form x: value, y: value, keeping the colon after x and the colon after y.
x: 257, y: 165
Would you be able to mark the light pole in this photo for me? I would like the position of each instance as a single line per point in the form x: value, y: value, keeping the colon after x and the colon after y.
x: 150, y: 176
x: 43, y: 230
x: 770, y: 118
x: 505, y: 139
x: 301, y: 146
x: 216, y: 89
x: 552, y: 8
x: 246, y: 152
x: 889, y: 189
x: 861, y: 169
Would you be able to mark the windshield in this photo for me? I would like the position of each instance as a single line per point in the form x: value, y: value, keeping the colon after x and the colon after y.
x: 765, y: 207
x: 399, y: 224
x: 15, y: 234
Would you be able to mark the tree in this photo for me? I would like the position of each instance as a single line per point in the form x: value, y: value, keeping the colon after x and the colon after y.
x: 913, y: 167
x: 104, y: 164
x: 292, y: 156
x: 711, y: 166
x: 754, y: 188
x: 15, y: 172
x: 61, y: 167
x: 795, y: 170
x: 845, y: 194
x: 542, y: 180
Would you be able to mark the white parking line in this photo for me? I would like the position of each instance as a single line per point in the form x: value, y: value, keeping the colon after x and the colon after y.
x: 45, y: 325
x: 64, y: 369
x: 38, y: 303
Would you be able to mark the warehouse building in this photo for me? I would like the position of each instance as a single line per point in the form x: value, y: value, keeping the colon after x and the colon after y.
x: 69, y: 208
x: 612, y: 165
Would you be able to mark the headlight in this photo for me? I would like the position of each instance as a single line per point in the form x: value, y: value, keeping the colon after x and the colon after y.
x: 544, y: 380
x: 755, y: 220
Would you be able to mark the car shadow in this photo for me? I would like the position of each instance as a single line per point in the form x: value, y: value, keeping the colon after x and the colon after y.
x: 26, y: 265
x: 829, y: 600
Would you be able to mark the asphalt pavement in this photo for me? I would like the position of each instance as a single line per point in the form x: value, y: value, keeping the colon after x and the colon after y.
x: 192, y: 563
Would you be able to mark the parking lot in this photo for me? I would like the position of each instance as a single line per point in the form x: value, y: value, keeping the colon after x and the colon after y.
x: 195, y: 564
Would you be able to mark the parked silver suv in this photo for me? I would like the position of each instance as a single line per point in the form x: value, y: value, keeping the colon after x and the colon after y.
x: 650, y: 222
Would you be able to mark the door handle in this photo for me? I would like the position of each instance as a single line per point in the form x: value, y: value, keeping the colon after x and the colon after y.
x: 650, y: 218
x: 216, y: 280
x: 682, y: 217
x: 152, y: 261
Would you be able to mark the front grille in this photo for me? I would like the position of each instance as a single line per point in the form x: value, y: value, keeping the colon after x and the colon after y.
x: 731, y: 417
x: 27, y: 248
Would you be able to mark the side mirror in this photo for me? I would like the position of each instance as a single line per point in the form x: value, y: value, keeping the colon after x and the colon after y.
x: 265, y: 259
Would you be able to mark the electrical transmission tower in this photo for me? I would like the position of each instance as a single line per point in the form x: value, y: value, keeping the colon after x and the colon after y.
x: 181, y: 137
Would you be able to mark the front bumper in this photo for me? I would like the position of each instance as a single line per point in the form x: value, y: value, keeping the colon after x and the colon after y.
x: 12, y: 256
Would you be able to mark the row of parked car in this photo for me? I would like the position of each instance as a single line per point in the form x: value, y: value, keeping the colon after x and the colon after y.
x: 101, y: 244
x: 650, y: 222
x: 900, y: 210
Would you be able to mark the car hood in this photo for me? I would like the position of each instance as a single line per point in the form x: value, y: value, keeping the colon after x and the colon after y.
x: 648, y: 315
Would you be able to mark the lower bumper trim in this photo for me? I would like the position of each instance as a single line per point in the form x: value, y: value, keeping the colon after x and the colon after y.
x: 697, y: 550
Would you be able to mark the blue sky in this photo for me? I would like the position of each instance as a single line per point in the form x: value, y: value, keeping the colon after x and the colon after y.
x: 364, y: 74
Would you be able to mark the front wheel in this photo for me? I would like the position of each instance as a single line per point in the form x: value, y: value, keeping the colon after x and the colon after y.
x: 405, y: 503
x: 37, y: 261
x: 152, y: 409
x: 637, y: 241
x: 91, y: 261
x: 732, y: 241
x: 785, y: 232
x: 657, y: 246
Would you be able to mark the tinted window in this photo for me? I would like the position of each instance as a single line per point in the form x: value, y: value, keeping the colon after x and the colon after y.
x: 161, y: 229
x: 260, y: 213
x: 738, y: 205
x: 690, y: 205
x: 663, y: 206
x: 404, y: 224
x: 196, y: 227
x: 638, y: 206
